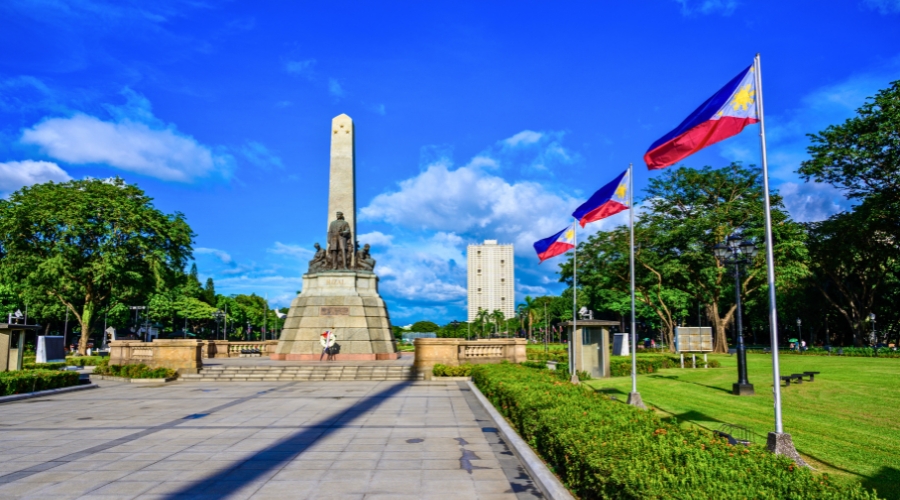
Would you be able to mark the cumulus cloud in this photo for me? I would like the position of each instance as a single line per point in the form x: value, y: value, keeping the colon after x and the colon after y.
x: 136, y: 141
x: 705, y: 7
x: 222, y: 255
x: 17, y: 174
x: 334, y: 88
x: 523, y: 138
x: 376, y: 238
x: 883, y: 7
x: 301, y: 253
x: 470, y: 200
x: 260, y: 156
x: 301, y: 68
x: 811, y: 202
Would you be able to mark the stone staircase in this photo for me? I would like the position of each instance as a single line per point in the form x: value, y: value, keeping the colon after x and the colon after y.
x: 300, y: 373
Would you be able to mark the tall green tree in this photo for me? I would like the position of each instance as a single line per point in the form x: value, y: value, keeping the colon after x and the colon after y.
x: 84, y: 242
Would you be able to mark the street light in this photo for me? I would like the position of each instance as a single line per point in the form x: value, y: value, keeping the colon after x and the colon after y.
x: 799, y: 331
x: 738, y: 251
x: 218, y: 315
x: 872, y: 319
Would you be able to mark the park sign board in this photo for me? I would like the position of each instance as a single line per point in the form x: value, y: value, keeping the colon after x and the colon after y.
x: 693, y: 339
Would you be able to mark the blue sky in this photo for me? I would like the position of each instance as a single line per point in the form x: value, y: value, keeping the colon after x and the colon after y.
x: 474, y: 120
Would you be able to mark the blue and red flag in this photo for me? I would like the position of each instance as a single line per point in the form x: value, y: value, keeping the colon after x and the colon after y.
x: 608, y: 200
x: 557, y: 244
x: 723, y: 115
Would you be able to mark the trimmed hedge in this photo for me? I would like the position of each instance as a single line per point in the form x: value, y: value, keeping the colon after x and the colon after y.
x: 133, y: 371
x: 43, y: 366
x: 84, y: 360
x: 605, y: 449
x: 853, y: 352
x: 558, y: 356
x: 20, y: 382
x: 622, y: 367
x: 440, y: 370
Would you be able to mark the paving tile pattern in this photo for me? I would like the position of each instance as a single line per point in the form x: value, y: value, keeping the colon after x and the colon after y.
x: 348, y: 439
x: 263, y: 373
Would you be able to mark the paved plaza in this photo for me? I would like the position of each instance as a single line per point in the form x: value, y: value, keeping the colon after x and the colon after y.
x: 359, y: 439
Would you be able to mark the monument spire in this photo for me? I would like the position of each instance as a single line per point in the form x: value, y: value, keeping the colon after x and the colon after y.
x: 342, y: 183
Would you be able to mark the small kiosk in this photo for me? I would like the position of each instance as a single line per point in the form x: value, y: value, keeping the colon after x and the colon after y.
x: 590, y: 345
x: 13, y: 334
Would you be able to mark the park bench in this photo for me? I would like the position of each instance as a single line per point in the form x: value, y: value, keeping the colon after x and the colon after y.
x: 794, y: 376
x: 811, y: 375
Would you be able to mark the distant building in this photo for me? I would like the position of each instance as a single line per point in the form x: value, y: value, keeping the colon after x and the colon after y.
x: 491, y: 279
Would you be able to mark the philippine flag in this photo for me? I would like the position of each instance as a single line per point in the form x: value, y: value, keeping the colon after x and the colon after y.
x: 723, y: 115
x: 557, y: 244
x: 608, y: 200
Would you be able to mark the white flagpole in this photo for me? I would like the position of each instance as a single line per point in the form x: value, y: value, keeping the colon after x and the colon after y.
x: 778, y: 442
x: 574, y: 376
x: 770, y: 257
x: 634, y: 398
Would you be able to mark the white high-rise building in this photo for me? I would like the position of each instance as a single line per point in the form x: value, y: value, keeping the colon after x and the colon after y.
x: 491, y: 279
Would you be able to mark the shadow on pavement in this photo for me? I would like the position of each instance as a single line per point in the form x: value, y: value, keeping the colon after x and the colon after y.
x: 229, y: 480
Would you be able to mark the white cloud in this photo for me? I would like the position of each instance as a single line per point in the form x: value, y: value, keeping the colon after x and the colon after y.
x: 302, y: 68
x: 334, y: 88
x: 222, y: 255
x: 259, y: 155
x: 811, y: 202
x: 376, y: 238
x: 136, y: 142
x: 422, y: 269
x: 301, y: 253
x: 705, y: 7
x: 524, y: 137
x: 469, y: 200
x: 17, y: 174
x: 883, y: 6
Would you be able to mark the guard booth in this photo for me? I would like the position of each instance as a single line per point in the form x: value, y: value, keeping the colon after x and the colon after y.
x: 590, y: 345
x: 12, y: 345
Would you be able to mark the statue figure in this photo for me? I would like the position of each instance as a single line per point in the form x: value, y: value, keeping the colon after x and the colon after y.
x: 319, y: 261
x: 339, y: 250
x: 364, y: 260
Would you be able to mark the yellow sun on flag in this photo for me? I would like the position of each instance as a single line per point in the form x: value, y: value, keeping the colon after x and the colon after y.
x: 744, y: 98
x: 621, y: 190
x: 570, y: 234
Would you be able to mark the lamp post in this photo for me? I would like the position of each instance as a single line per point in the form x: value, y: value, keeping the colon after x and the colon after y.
x: 735, y: 251
x: 872, y: 319
x: 218, y: 315
x: 799, y: 332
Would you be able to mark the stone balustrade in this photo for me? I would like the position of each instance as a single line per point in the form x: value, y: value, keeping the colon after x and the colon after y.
x: 212, y: 349
x: 454, y: 352
x: 184, y: 356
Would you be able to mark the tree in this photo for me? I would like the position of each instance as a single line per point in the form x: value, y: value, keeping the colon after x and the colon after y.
x: 424, y: 327
x: 85, y: 242
x: 499, y: 318
x: 861, y: 156
x: 853, y: 262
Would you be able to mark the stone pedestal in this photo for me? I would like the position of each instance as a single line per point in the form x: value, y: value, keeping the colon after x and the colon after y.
x: 348, y: 304
x: 780, y: 443
x: 742, y: 389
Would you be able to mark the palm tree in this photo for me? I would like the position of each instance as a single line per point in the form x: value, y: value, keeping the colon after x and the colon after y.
x: 498, y: 318
x: 531, y: 310
x: 481, y: 317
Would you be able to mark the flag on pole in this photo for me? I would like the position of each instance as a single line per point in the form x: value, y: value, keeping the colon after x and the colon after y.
x: 557, y: 244
x: 607, y: 201
x: 723, y: 115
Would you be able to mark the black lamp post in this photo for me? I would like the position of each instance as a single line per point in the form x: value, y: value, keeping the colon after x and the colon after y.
x: 799, y: 331
x: 737, y: 252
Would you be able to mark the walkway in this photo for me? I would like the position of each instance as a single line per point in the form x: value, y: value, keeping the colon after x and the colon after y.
x: 257, y: 440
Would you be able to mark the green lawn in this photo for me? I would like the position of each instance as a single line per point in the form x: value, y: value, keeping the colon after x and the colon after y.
x: 845, y: 423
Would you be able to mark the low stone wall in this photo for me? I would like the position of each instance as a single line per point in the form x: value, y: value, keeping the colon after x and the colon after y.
x: 211, y: 349
x: 184, y: 356
x: 454, y: 352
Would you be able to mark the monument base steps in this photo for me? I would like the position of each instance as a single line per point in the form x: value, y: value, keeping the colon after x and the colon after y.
x: 301, y: 373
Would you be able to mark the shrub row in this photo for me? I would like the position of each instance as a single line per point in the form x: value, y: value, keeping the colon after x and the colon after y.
x: 133, y: 371
x: 855, y: 352
x: 84, y: 360
x: 558, y: 356
x: 43, y: 366
x: 622, y: 367
x: 20, y: 382
x: 440, y: 370
x: 606, y: 449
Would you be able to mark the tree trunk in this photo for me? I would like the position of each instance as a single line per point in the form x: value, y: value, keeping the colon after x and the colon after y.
x: 85, y: 322
x: 720, y: 342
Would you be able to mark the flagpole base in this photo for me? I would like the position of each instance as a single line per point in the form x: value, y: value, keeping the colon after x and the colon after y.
x: 634, y: 399
x: 780, y: 443
x: 574, y: 379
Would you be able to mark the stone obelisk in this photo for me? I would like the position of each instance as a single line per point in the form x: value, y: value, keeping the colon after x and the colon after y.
x: 340, y: 291
x: 342, y: 182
